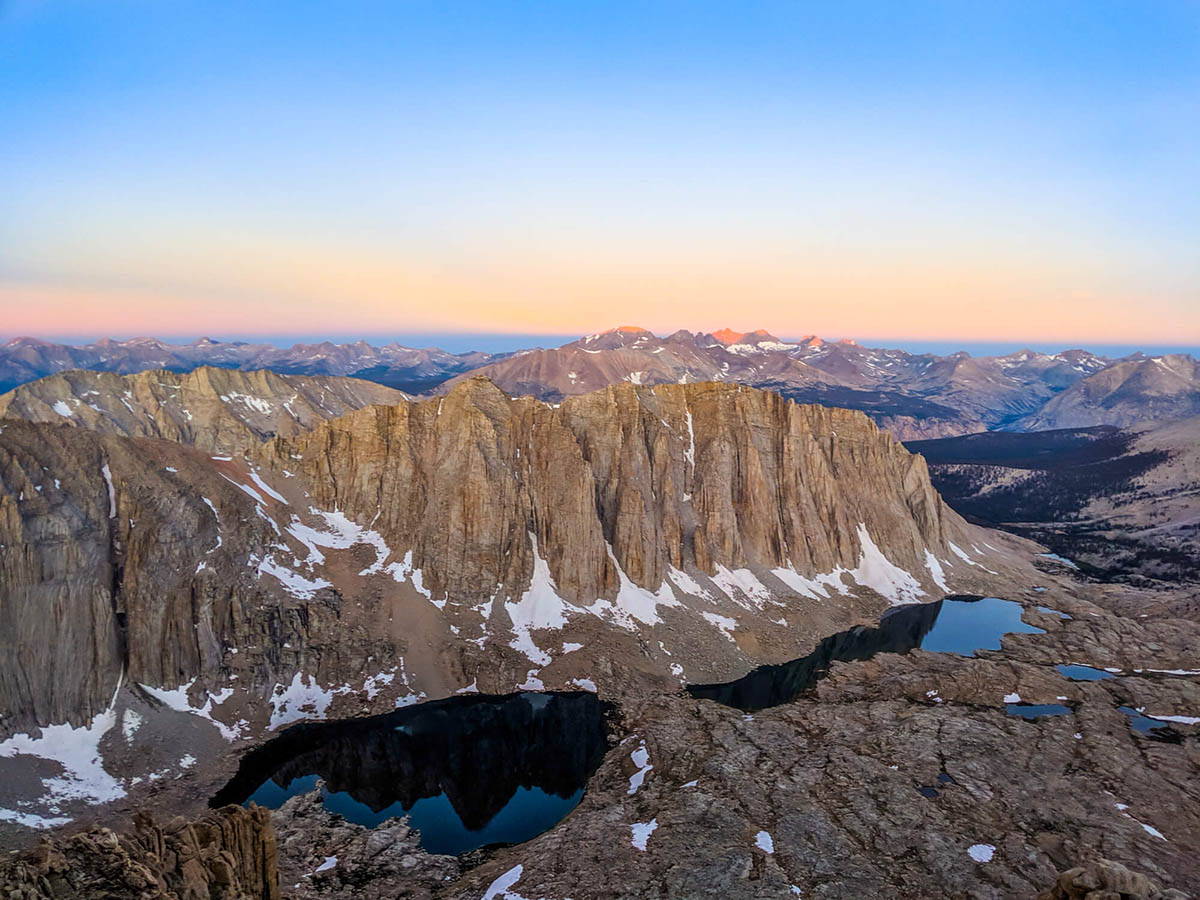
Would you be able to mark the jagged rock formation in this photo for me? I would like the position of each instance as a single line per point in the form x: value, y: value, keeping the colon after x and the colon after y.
x: 1105, y: 878
x: 382, y: 863
x: 219, y: 410
x: 228, y: 854
x: 639, y: 481
x: 105, y: 559
x: 117, y: 549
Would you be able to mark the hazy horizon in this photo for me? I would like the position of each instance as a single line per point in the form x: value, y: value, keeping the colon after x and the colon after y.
x: 502, y: 342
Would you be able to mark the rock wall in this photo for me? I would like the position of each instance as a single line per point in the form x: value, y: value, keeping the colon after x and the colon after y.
x: 151, y: 561
x: 228, y: 854
x: 702, y: 475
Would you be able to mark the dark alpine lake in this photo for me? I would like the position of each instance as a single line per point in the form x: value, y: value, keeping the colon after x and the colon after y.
x: 955, y: 624
x: 469, y: 771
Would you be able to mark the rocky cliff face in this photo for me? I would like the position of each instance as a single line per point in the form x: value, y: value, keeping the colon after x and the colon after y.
x: 220, y: 410
x: 626, y: 483
x: 228, y: 854
x: 113, y: 561
x: 633, y: 537
x: 160, y: 561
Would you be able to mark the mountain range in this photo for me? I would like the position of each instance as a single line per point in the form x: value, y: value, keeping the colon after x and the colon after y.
x: 914, y: 396
x: 25, y: 359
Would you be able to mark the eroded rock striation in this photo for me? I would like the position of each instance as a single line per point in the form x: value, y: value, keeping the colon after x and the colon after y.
x: 228, y: 854
x: 631, y: 480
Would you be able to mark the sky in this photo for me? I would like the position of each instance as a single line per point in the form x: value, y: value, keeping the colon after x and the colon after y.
x: 922, y: 172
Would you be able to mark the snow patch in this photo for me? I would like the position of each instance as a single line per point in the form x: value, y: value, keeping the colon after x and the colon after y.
x: 690, y: 453
x: 641, y: 759
x: 763, y: 841
x: 177, y: 699
x: 724, y: 624
x: 258, y: 404
x: 293, y: 582
x: 77, y: 751
x: 632, y: 602
x: 687, y: 583
x: 805, y: 587
x: 878, y: 573
x: 371, y: 684
x: 981, y: 853
x: 641, y: 833
x: 734, y: 582
x: 935, y: 570
x: 131, y: 721
x: 1180, y: 720
x: 499, y: 889
x: 266, y: 488
x: 304, y: 698
x: 112, y: 493
x: 539, y: 607
x: 532, y: 682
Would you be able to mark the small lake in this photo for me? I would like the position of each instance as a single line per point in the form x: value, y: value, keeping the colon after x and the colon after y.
x: 468, y: 771
x: 1037, y: 710
x: 955, y: 624
x: 1077, y: 672
x: 1150, y: 727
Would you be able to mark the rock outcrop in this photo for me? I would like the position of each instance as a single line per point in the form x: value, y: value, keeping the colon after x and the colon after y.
x: 113, y: 562
x: 321, y: 855
x: 228, y: 854
x: 1107, y: 879
x: 218, y: 410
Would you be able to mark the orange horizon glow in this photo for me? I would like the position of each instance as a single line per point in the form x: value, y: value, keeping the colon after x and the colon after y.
x: 311, y: 297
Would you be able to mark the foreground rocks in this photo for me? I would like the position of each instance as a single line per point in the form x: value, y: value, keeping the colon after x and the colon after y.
x: 902, y: 776
x: 1106, y: 879
x: 225, y: 855
x: 322, y: 855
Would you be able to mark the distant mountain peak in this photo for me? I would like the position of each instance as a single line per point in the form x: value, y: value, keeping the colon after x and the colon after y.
x: 728, y: 336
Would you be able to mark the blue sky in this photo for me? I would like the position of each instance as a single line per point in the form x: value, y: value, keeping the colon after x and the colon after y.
x: 940, y: 171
